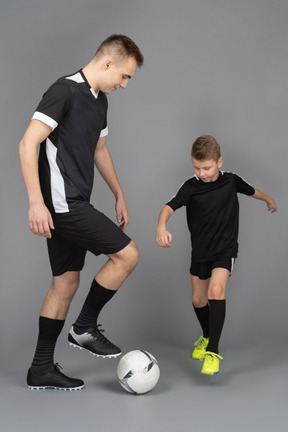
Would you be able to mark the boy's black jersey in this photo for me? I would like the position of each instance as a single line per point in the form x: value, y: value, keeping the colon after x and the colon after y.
x: 78, y: 117
x: 212, y: 211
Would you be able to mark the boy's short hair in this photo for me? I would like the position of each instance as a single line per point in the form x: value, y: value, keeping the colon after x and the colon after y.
x: 121, y: 46
x: 206, y: 147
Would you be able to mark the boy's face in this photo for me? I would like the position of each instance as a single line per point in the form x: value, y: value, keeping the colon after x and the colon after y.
x: 207, y: 169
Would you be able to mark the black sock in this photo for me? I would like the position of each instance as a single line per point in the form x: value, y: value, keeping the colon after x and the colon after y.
x: 202, y: 314
x: 217, y: 318
x: 96, y: 299
x: 49, y: 330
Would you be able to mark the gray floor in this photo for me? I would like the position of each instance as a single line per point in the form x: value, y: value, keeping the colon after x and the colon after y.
x: 250, y: 394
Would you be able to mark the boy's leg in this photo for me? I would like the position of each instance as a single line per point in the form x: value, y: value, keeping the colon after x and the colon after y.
x: 217, y: 303
x: 200, y: 302
x: 201, y: 308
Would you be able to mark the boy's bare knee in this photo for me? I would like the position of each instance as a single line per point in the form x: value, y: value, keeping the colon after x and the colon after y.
x: 216, y: 292
x: 199, y: 302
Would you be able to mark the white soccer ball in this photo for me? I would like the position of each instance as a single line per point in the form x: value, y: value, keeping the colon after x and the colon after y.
x: 138, y: 371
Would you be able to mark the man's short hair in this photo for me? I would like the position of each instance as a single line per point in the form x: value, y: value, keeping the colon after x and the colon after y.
x: 205, y: 148
x: 120, y: 46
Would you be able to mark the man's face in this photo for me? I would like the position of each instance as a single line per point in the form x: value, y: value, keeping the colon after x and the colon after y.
x: 117, y: 75
x: 208, y: 169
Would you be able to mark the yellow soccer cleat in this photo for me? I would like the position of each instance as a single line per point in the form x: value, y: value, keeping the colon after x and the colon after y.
x: 200, y: 348
x: 211, y: 363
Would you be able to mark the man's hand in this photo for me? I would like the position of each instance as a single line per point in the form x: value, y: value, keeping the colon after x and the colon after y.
x: 40, y: 220
x: 122, y: 213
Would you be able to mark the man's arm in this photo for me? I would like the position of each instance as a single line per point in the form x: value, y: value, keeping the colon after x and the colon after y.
x: 40, y: 220
x: 105, y: 166
x: 271, y: 204
x: 164, y: 237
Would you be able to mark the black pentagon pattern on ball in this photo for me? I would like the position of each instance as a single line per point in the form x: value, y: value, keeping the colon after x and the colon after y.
x: 134, y: 371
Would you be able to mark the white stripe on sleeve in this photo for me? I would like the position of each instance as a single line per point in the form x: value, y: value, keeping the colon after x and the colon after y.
x: 45, y: 119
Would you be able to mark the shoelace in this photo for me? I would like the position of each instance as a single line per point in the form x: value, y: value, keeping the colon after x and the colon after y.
x: 98, y: 333
x: 211, y: 356
x: 200, y: 342
x: 58, y: 367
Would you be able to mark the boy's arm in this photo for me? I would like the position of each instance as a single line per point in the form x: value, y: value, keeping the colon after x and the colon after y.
x: 164, y: 237
x: 271, y: 204
x: 40, y: 219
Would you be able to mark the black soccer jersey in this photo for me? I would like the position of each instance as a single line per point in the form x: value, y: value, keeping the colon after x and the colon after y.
x: 212, y: 211
x: 78, y: 117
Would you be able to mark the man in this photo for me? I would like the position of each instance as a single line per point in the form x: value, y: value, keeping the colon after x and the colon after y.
x: 70, y: 123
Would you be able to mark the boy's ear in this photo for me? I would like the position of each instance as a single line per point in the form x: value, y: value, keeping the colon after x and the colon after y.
x: 220, y: 162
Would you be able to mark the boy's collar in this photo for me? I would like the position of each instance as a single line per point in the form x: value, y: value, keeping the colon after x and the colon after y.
x: 220, y: 172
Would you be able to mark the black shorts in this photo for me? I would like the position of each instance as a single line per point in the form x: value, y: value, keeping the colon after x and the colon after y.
x: 81, y: 230
x: 204, y: 269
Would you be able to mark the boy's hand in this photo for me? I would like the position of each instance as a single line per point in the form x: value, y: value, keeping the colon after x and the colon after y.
x: 164, y: 238
x: 272, y: 206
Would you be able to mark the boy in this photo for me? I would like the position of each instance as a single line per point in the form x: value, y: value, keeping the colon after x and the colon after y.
x: 212, y: 210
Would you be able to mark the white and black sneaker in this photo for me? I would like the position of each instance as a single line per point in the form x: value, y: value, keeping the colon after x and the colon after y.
x: 53, y: 379
x: 94, y: 341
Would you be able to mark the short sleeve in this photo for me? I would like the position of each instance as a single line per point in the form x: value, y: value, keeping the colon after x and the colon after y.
x: 181, y: 198
x: 54, y: 105
x: 242, y: 186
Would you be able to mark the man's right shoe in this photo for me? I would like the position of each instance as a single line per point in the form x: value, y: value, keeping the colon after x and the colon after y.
x: 53, y: 379
x: 200, y: 348
x: 94, y: 341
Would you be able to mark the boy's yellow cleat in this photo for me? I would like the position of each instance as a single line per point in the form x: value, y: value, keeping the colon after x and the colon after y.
x: 211, y: 363
x: 200, y: 348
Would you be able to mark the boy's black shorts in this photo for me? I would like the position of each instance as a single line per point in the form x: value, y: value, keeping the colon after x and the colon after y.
x: 81, y: 230
x: 204, y: 269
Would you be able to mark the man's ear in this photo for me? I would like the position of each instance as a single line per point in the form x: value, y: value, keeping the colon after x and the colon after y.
x: 107, y: 64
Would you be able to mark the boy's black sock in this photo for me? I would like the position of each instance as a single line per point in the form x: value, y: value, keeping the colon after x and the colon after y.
x: 96, y: 299
x: 202, y: 314
x: 49, y: 330
x: 216, y: 318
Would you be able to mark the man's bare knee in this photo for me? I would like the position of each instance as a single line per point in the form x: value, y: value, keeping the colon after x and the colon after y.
x: 127, y: 258
x: 66, y: 285
x: 131, y: 256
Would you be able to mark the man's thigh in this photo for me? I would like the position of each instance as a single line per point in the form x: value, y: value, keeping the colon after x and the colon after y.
x: 91, y: 230
x: 78, y: 231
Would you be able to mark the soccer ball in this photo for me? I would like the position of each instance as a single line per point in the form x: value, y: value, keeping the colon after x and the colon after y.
x: 138, y: 372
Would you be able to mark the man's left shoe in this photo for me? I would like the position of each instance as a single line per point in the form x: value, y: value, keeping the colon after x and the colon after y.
x: 53, y: 379
x: 211, y: 363
x: 94, y: 341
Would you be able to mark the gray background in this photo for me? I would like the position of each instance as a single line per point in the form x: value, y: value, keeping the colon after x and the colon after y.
x: 217, y: 67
